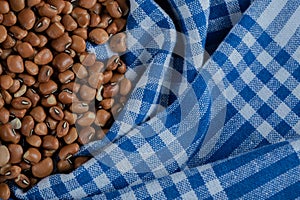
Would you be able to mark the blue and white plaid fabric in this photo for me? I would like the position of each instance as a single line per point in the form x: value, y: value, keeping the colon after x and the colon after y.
x: 215, y: 109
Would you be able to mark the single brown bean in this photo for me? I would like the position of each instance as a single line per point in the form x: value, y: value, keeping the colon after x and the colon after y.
x: 16, y: 123
x: 27, y: 79
x: 31, y: 3
x: 6, y: 96
x: 17, y: 32
x: 87, y: 4
x: 21, y: 103
x: 70, y: 52
x: 66, y: 76
x: 43, y: 40
x: 80, y: 71
x: 79, y: 107
x: 58, y: 4
x: 9, y: 19
x: 43, y: 57
x: 4, y: 7
x: 117, y: 43
x: 25, y: 50
x: 56, y: 113
x: 87, y: 93
x: 62, y: 128
x: 87, y: 119
x: 50, y: 142
x: 124, y: 6
x: 4, y: 115
x: 33, y: 96
x: 110, y: 90
x: 96, y: 9
x: 68, y: 8
x: 34, y: 140
x: 48, y: 87
x: 86, y: 135
x: 97, y: 67
x: 17, y: 89
x: 114, y: 9
x: 70, y: 117
x: 15, y: 64
x: 98, y: 36
x: 33, y: 39
x: 16, y: 153
x: 87, y: 59
x: 6, y: 82
x: 64, y: 166
x: 102, y: 117
x: 38, y: 113
x: 95, y: 80
x: 62, y: 43
x: 4, y: 191
x: 72, y: 136
x: 11, y: 172
x: 82, y: 32
x: 66, y: 152
x: 31, y: 68
x: 107, y: 103
x: 43, y: 168
x: 41, y: 129
x: 5, y: 155
x: 7, y: 134
x: 107, y: 75
x: 49, y: 101
x: 62, y: 61
x: 82, y: 17
x: 3, y: 33
x: 47, y: 10
x: 113, y: 62
x: 26, y: 18
x: 17, y: 5
x: 55, y: 30
x: 17, y: 113
x: 80, y: 161
x: 67, y: 97
x: 116, y: 26
x: 117, y: 77
x: 78, y: 44
x: 48, y: 153
x: 8, y: 43
x: 32, y: 155
x: 106, y: 20
x: 116, y: 109
x: 27, y: 125
x: 69, y: 23
x: 22, y: 181
x: 45, y: 73
x: 73, y: 86
x: 95, y: 20
x: 125, y: 86
x: 42, y: 24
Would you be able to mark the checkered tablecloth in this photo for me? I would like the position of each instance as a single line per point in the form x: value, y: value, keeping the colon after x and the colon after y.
x: 214, y: 113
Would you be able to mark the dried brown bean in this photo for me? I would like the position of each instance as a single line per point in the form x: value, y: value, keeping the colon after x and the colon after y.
x: 72, y: 86
x: 21, y: 103
x: 66, y: 76
x: 68, y: 8
x: 4, y: 7
x: 98, y: 36
x: 22, y: 181
x: 17, y: 5
x: 117, y: 43
x: 4, y: 191
x: 64, y: 166
x: 78, y: 44
x: 6, y: 82
x: 7, y: 134
x: 5, y: 155
x: 79, y: 107
x: 25, y: 50
x: 87, y: 4
x: 106, y: 20
x: 31, y: 3
x: 87, y: 119
x: 45, y: 73
x: 47, y: 10
x: 50, y: 142
x: 107, y: 103
x: 95, y: 20
x: 107, y: 75
x: 32, y: 155
x: 31, y: 68
x: 16, y: 153
x: 87, y: 93
x: 49, y: 101
x: 42, y: 24
x: 21, y: 90
x: 96, y: 9
x: 17, y: 32
x: 95, y: 80
x: 67, y: 96
x: 55, y: 30
x: 69, y: 23
x: 8, y: 43
x: 34, y: 140
x: 102, y: 117
x: 17, y: 113
x: 97, y: 67
x: 43, y: 40
x: 27, y: 79
x: 116, y: 78
x: 62, y: 61
x: 114, y: 9
x: 27, y: 125
x: 66, y: 152
x: 48, y: 87
x: 33, y: 39
x: 41, y: 129
x: 124, y: 6
x: 86, y: 135
x: 62, y: 43
x: 82, y: 17
x: 62, y: 128
x: 82, y: 32
x: 56, y: 113
x: 9, y: 19
x: 26, y: 18
x: 33, y: 96
x: 80, y: 71
x: 87, y: 59
x: 3, y: 33
x: 15, y: 64
x: 125, y: 86
x: 58, y: 4
x: 72, y: 136
x: 43, y: 57
x: 70, y: 117
x: 6, y: 96
x: 43, y: 168
x: 4, y: 115
x: 38, y: 113
x: 110, y: 90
